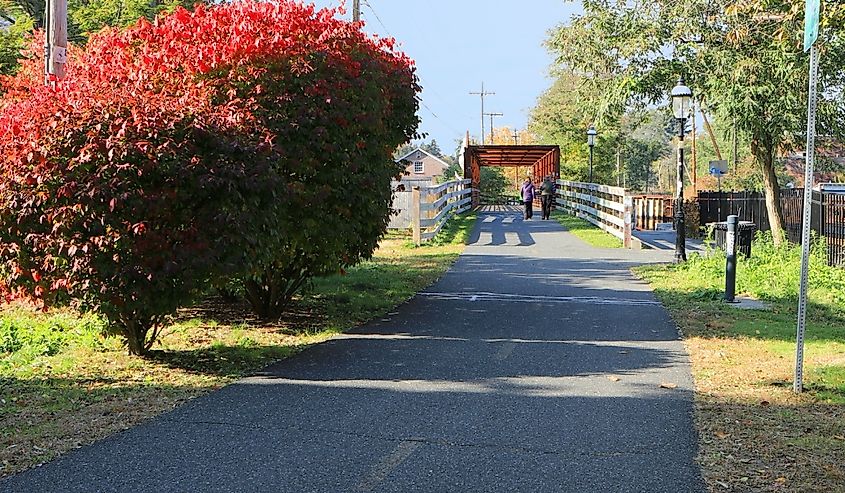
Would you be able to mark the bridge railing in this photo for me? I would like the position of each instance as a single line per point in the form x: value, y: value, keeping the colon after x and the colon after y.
x: 431, y: 207
x: 609, y: 208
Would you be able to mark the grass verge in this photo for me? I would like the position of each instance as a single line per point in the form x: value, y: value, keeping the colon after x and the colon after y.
x: 63, y: 384
x: 755, y: 434
x: 586, y: 231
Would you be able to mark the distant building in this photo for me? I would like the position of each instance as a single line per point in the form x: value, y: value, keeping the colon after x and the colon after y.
x: 829, y: 166
x: 421, y: 165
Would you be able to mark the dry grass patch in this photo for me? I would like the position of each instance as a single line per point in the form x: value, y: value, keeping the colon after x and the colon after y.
x: 64, y: 385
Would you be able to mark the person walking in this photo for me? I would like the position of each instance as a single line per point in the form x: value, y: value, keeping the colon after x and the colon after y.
x: 547, y: 196
x: 527, y: 193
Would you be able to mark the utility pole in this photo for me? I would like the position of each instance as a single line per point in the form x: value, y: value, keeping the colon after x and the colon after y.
x: 491, y: 115
x: 482, y: 94
x: 55, y: 42
x: 515, y: 138
x: 356, y: 10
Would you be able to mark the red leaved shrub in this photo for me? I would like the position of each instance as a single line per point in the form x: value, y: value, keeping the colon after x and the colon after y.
x: 243, y: 140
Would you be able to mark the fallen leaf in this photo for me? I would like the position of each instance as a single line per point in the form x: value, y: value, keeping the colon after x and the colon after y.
x: 623, y: 352
x: 613, y: 378
x: 780, y: 480
x: 723, y: 485
x: 838, y: 437
x: 721, y: 435
x: 666, y: 385
x: 764, y: 403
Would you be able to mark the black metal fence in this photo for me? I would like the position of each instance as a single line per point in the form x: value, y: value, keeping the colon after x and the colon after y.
x: 828, y: 214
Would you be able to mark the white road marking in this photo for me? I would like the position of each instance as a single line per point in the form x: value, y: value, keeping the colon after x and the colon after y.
x: 388, y: 464
x: 490, y: 219
x: 504, y: 352
x: 508, y: 220
x: 521, y: 298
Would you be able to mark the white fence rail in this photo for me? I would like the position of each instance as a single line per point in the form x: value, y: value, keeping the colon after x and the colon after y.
x: 609, y: 208
x: 426, y: 209
x: 431, y: 207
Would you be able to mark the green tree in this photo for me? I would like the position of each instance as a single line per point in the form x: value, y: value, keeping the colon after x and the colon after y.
x: 84, y: 16
x: 743, y: 59
x: 12, y: 41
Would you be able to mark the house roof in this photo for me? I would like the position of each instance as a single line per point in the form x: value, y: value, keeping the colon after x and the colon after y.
x: 444, y: 163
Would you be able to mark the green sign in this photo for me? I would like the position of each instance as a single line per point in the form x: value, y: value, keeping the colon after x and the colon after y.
x: 811, y: 23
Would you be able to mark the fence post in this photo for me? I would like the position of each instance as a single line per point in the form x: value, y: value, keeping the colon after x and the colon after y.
x: 415, y: 214
x: 628, y: 203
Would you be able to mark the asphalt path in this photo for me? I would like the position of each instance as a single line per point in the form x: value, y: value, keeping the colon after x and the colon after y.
x: 535, y: 364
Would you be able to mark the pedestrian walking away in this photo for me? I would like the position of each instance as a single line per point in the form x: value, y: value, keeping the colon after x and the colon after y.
x: 547, y: 196
x: 527, y: 193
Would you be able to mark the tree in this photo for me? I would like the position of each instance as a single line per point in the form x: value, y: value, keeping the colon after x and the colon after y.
x: 12, y: 41
x: 84, y: 16
x: 432, y: 148
x: 134, y: 198
x: 631, y: 140
x: 738, y: 57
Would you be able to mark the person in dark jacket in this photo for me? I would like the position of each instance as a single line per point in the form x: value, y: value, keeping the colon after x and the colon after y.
x: 547, y: 196
x: 527, y: 192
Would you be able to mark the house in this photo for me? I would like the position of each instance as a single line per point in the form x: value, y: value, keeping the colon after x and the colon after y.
x: 829, y: 166
x: 421, y: 165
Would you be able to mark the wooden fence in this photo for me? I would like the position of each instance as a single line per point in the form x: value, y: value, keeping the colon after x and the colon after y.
x: 431, y: 207
x: 609, y: 208
x: 651, y: 210
x: 828, y: 214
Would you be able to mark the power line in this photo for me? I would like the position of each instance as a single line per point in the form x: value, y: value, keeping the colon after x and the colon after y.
x: 422, y: 103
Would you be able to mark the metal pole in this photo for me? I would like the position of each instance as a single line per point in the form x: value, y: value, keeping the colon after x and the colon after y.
x: 356, y: 10
x: 798, y: 385
x: 730, y: 263
x: 719, y: 206
x: 680, y: 224
x: 591, y: 164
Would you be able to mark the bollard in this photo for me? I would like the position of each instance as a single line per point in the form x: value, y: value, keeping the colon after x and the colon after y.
x: 730, y: 267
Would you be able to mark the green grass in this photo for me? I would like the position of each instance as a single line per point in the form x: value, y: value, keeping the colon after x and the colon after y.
x: 743, y: 364
x: 587, y: 232
x: 64, y: 383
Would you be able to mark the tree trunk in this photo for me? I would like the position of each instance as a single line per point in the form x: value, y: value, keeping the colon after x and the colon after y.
x: 135, y: 338
x: 764, y: 152
x: 270, y: 296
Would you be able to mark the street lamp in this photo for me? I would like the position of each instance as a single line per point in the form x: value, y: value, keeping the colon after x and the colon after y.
x: 681, y: 105
x: 591, y: 141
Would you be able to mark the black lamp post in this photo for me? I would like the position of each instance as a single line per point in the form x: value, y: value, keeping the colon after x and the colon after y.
x: 681, y: 105
x: 591, y: 141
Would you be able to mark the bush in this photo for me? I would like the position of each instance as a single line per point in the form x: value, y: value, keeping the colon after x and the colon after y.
x: 123, y: 193
x: 197, y: 149
x: 773, y: 273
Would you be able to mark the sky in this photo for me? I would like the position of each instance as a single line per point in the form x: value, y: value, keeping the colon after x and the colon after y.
x: 458, y: 44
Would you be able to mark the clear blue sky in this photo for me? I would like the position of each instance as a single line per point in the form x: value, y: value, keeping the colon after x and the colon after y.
x: 457, y: 44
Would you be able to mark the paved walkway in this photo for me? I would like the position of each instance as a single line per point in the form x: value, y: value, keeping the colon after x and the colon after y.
x: 534, y: 365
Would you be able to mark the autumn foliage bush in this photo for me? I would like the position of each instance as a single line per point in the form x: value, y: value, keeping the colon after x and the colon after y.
x: 246, y: 140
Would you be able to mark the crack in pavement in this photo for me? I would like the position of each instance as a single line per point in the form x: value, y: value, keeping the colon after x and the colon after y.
x: 633, y: 451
